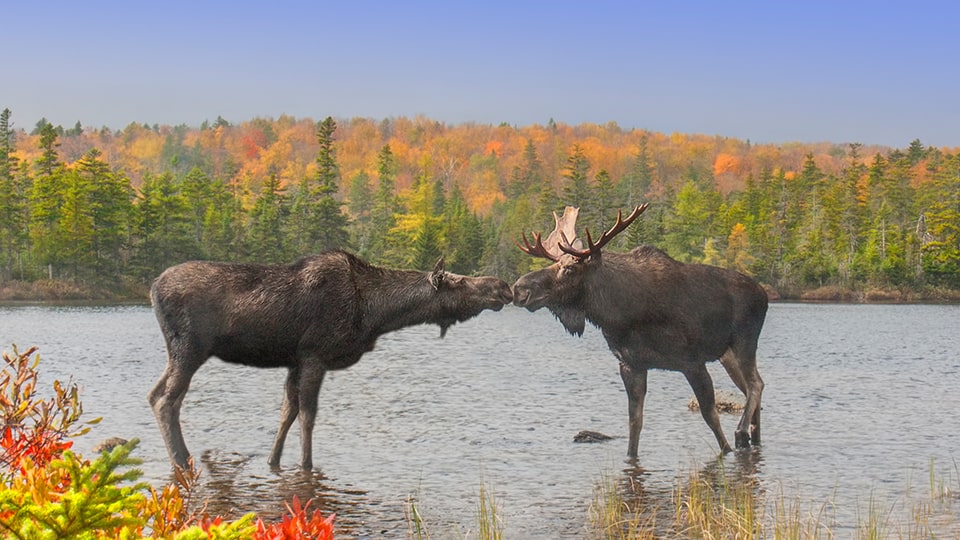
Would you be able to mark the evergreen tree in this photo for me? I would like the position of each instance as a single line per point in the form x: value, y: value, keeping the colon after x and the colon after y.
x: 12, y: 201
x: 915, y: 152
x: 845, y: 213
x: 576, y: 189
x: 326, y: 223
x: 764, y: 220
x: 223, y: 223
x: 162, y: 227
x: 47, y: 202
x: 49, y: 160
x: 439, y: 198
x: 110, y: 198
x: 267, y: 241
x: 385, y: 207
x: 941, y: 248
x: 76, y: 225
x: 882, y: 222
x: 462, y: 232
x: 426, y: 246
x: 807, y: 253
x: 692, y: 222
x: 527, y: 177
x: 603, y: 201
x: 418, y: 228
x: 360, y: 204
x: 197, y: 189
x: 639, y: 179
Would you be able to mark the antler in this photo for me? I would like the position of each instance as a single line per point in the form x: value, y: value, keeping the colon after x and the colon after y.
x: 551, y: 249
x: 594, y: 249
x: 536, y: 250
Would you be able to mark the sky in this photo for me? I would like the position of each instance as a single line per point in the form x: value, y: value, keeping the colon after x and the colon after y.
x: 877, y: 72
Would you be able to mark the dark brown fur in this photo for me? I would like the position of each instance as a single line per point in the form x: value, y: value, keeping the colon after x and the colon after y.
x: 320, y: 313
x: 658, y: 313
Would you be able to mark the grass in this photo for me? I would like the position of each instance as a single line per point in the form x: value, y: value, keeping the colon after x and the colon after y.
x: 489, y: 518
x: 714, y: 504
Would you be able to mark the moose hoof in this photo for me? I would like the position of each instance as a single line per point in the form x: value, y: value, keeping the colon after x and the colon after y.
x: 743, y: 439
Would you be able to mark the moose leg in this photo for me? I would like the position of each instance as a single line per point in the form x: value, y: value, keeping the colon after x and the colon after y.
x: 635, y: 382
x: 750, y: 421
x: 731, y: 364
x: 310, y: 382
x: 166, y: 399
x: 702, y: 384
x: 742, y: 368
x: 288, y: 413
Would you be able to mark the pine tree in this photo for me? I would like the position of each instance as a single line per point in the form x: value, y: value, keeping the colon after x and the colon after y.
x: 327, y: 223
x: 805, y: 219
x: 638, y: 181
x: 223, y: 223
x: 527, y: 177
x: 462, y: 234
x: 846, y: 213
x: 385, y: 207
x: 576, y: 189
x: 76, y: 226
x: 162, y: 227
x: 360, y: 204
x: 46, y: 204
x: 197, y: 190
x: 418, y: 228
x: 266, y: 241
x: 604, y: 206
x: 692, y: 222
x: 110, y: 206
x: 12, y: 201
x: 941, y: 250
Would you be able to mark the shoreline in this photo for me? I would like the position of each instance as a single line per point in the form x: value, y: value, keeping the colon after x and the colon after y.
x: 55, y: 292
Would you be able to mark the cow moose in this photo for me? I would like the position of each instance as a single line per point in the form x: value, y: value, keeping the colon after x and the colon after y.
x: 655, y: 313
x: 320, y: 313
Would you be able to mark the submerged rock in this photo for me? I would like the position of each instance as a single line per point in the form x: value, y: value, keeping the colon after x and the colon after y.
x: 590, y: 437
x: 727, y: 402
x: 107, y: 445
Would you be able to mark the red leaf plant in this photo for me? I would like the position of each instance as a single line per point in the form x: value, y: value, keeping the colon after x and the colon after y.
x: 298, y: 524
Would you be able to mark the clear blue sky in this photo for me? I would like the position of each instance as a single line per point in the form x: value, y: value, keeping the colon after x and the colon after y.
x: 801, y: 71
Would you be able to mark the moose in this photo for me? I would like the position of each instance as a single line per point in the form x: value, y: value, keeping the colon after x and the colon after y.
x: 655, y: 313
x: 320, y: 313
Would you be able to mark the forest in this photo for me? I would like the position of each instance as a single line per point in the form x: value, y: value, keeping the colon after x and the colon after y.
x: 108, y: 210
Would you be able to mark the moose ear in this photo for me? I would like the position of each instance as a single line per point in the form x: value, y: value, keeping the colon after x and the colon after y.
x: 436, y: 277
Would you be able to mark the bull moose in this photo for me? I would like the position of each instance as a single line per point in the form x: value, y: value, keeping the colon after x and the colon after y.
x: 320, y: 313
x: 655, y: 313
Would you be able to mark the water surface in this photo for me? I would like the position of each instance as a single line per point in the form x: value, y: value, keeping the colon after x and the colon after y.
x: 860, y: 400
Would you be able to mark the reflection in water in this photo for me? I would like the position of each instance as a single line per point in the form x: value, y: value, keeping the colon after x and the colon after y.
x: 232, y: 486
x: 690, y: 502
x: 741, y: 467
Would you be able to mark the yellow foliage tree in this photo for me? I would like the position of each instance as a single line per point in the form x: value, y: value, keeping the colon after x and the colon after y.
x: 738, y: 249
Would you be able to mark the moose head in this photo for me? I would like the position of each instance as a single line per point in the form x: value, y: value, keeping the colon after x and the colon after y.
x: 561, y: 286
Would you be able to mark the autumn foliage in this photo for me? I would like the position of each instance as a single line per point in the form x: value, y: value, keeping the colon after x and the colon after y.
x: 48, y: 491
x: 100, y: 206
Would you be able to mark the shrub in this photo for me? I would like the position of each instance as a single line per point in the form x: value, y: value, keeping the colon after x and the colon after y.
x: 48, y: 491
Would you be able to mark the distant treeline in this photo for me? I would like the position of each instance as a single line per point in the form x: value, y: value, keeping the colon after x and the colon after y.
x: 103, y: 207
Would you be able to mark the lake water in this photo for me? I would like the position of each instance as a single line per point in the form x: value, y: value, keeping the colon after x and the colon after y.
x: 860, y: 406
